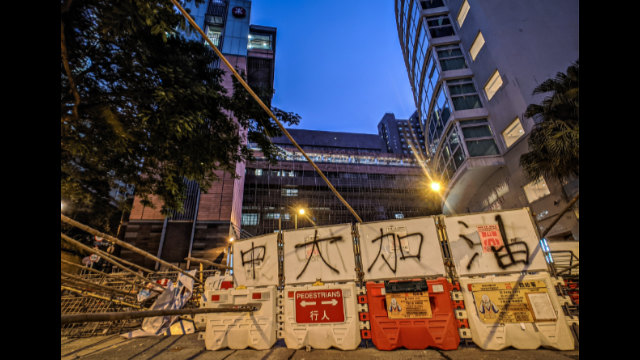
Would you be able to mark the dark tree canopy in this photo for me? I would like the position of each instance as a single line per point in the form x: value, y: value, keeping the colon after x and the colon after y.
x: 554, y: 141
x: 141, y: 105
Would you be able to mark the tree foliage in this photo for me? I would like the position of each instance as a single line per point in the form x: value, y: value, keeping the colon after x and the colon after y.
x: 554, y: 140
x: 141, y: 105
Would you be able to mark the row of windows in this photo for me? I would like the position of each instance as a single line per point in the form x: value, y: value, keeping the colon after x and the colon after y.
x: 343, y: 159
x: 256, y: 41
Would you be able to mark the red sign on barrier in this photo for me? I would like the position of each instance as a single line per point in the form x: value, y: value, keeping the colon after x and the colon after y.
x: 319, y: 306
x: 490, y: 236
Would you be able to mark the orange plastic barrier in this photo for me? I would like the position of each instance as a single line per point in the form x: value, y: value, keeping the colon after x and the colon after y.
x: 416, y: 327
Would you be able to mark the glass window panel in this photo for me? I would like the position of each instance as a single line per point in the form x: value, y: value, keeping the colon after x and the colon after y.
x: 461, y: 89
x: 536, y: 190
x: 482, y: 147
x: 462, y: 14
x: 466, y: 102
x: 454, y: 139
x: 476, y: 131
x: 494, y: 83
x: 458, y: 157
x: 476, y: 46
x: 429, y: 4
x: 453, y: 64
x: 513, y: 132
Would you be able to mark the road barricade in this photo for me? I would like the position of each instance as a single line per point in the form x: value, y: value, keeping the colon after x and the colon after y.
x: 515, y: 310
x: 414, y: 314
x: 320, y: 307
x: 321, y: 316
x: 255, y: 269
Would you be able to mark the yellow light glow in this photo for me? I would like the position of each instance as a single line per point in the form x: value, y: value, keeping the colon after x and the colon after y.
x: 231, y: 239
x: 435, y: 186
x: 301, y: 211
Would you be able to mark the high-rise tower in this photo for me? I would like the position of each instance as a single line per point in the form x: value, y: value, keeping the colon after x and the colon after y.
x: 209, y: 219
x: 473, y: 65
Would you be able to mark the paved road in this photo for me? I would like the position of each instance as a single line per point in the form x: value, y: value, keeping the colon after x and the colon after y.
x: 187, y: 347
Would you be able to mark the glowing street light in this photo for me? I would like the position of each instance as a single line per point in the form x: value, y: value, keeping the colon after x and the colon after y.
x: 435, y: 186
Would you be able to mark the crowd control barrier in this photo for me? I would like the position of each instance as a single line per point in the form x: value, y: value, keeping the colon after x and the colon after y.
x: 255, y: 269
x: 321, y: 316
x: 320, y: 306
x: 414, y: 314
x: 515, y: 310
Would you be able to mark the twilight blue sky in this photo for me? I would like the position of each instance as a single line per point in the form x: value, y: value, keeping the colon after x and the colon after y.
x: 338, y: 62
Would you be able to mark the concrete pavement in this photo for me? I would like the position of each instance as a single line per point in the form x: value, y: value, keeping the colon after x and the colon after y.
x: 187, y: 347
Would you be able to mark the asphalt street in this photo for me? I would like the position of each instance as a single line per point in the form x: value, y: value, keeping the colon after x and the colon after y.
x: 184, y: 347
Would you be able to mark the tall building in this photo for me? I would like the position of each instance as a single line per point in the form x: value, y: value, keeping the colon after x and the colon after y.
x: 402, y: 136
x: 209, y: 219
x: 377, y: 183
x: 473, y: 65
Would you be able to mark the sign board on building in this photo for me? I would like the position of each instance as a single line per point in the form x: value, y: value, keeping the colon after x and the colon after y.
x: 239, y: 12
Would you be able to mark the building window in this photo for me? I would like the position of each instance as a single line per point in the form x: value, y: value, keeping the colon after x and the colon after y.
x: 536, y: 189
x: 272, y: 216
x: 214, y: 33
x: 258, y: 172
x: 259, y: 41
x: 399, y: 215
x: 250, y: 219
x: 476, y: 46
x: 463, y: 94
x: 289, y: 192
x: 462, y: 14
x: 478, y: 138
x: 513, y: 132
x: 451, y: 57
x: 440, y: 26
x: 492, y: 86
x: 430, y: 4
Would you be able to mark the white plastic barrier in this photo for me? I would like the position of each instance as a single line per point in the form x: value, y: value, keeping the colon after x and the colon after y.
x: 324, y: 253
x: 324, y: 315
x: 256, y: 330
x: 515, y: 310
x: 321, y: 316
x: 494, y: 243
x: 400, y: 249
x: 255, y: 266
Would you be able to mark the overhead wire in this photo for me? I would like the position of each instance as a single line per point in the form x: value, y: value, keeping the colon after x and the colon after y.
x: 265, y: 108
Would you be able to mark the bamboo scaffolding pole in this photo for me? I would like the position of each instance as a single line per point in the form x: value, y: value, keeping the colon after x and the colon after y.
x: 111, y: 276
x: 106, y: 254
x: 97, y: 286
x: 96, y: 296
x: 555, y: 221
x: 266, y: 109
x: 114, y: 316
x: 207, y: 262
x: 124, y: 245
x: 108, y: 259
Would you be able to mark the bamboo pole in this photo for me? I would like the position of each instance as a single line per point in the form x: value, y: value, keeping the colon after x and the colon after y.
x: 96, y: 296
x: 124, y: 245
x: 266, y: 108
x: 114, y: 316
x: 97, y: 286
x: 207, y: 262
x: 108, y: 259
x: 106, y: 254
x: 111, y: 276
x: 566, y: 208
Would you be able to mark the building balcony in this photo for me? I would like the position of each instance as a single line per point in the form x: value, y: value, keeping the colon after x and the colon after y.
x: 473, y: 172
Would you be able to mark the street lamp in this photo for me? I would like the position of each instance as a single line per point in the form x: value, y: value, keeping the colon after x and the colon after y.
x: 435, y: 186
x: 301, y: 212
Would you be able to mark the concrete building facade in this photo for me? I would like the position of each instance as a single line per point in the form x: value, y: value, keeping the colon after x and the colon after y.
x: 209, y: 218
x: 377, y: 184
x: 472, y: 66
